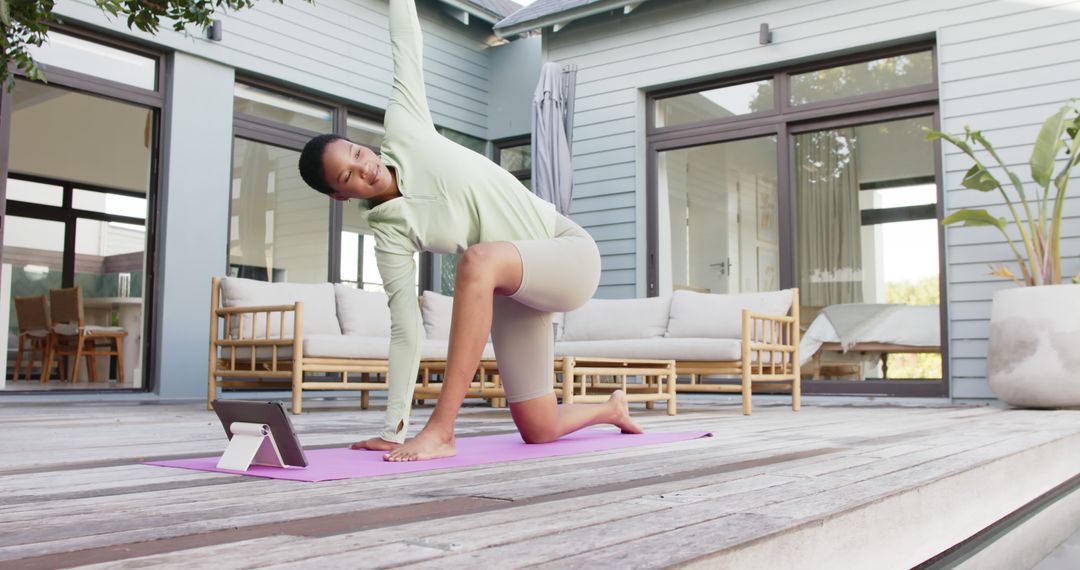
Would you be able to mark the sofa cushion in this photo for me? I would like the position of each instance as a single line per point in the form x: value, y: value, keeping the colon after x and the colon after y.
x: 604, y: 319
x: 362, y: 313
x: 708, y: 315
x: 711, y: 349
x: 320, y: 313
x: 436, y: 349
x: 437, y: 311
x: 341, y: 346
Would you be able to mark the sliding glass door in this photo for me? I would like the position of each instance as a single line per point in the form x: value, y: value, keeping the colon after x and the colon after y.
x: 819, y: 177
x: 721, y: 202
x: 866, y: 251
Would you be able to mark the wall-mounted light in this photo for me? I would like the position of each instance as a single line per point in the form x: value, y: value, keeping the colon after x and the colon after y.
x: 213, y: 31
x: 765, y: 35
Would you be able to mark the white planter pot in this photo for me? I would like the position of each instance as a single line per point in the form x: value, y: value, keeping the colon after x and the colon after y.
x: 1034, y: 355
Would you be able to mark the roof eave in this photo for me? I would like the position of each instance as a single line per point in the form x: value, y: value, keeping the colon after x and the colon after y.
x: 474, y: 10
x: 560, y: 19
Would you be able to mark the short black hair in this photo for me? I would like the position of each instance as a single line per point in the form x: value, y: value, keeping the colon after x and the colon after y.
x: 311, y: 163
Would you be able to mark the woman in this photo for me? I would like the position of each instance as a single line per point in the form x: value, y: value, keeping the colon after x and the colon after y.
x: 520, y: 261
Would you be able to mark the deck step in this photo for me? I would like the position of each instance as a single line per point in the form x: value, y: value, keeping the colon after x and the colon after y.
x: 1009, y: 512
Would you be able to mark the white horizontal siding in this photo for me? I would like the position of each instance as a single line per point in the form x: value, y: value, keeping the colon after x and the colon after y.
x: 1004, y: 66
x: 338, y: 49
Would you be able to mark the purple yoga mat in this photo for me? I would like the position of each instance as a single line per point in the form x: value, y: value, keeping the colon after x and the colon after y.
x: 344, y: 463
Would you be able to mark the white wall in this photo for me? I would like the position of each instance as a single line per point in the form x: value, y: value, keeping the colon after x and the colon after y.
x: 1004, y: 65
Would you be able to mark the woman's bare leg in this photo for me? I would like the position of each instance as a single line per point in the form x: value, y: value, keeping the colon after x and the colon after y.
x: 541, y: 420
x: 484, y: 271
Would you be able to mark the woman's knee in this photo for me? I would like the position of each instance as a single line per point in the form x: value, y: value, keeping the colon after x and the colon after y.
x: 476, y: 263
x: 490, y: 265
x: 545, y: 434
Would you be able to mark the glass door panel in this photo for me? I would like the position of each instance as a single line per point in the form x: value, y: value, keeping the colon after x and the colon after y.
x: 78, y: 195
x: 34, y: 250
x: 109, y: 261
x: 866, y: 251
x: 722, y: 216
x: 278, y: 224
x: 358, y: 268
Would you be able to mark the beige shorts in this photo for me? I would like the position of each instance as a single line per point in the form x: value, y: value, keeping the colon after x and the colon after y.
x: 557, y: 274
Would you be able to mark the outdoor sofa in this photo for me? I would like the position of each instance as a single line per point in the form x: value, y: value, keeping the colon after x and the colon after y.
x: 753, y: 337
x: 302, y: 336
x: 293, y: 335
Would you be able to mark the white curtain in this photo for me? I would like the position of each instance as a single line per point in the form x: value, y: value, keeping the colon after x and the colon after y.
x: 829, y: 224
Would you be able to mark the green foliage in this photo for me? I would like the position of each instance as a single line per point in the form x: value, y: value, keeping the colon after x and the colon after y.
x: 923, y: 292
x: 1039, y: 225
x: 26, y: 23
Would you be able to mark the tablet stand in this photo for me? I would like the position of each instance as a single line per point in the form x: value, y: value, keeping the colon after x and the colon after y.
x: 251, y: 444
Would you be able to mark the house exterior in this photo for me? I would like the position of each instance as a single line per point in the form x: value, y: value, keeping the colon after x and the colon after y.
x: 670, y: 90
x: 149, y: 164
x: 718, y: 146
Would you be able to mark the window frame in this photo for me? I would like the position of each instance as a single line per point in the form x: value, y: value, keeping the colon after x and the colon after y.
x: 260, y: 130
x: 512, y: 142
x: 787, y: 121
x: 155, y: 101
x: 781, y: 93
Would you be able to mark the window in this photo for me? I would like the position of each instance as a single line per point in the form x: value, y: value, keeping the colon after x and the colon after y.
x: 76, y: 54
x: 866, y: 232
x: 712, y: 104
x: 279, y: 224
x: 364, y: 131
x: 833, y: 191
x: 265, y: 104
x: 722, y: 200
x: 280, y: 229
x: 472, y: 143
x: 80, y: 185
x: 863, y: 78
x: 515, y: 155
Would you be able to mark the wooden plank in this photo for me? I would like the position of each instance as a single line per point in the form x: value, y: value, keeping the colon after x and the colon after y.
x: 600, y: 489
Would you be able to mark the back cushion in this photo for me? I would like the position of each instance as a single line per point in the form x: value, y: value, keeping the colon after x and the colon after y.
x: 320, y: 313
x: 605, y: 319
x: 362, y: 313
x: 437, y: 310
x: 706, y: 315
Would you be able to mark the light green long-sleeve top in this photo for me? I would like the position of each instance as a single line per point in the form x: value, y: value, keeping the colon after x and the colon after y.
x: 451, y: 199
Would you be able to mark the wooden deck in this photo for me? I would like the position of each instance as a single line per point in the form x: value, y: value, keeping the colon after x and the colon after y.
x: 861, y: 485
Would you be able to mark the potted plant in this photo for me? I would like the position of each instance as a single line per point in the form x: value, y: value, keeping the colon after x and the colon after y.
x: 1034, y: 359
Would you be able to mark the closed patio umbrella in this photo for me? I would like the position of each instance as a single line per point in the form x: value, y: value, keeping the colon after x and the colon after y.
x: 553, y: 116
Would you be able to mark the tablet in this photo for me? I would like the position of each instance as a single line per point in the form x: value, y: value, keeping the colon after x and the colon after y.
x: 272, y: 414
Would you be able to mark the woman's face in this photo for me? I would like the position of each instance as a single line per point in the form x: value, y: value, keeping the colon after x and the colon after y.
x: 354, y: 171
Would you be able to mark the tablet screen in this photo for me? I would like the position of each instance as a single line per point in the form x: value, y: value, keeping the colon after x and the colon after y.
x: 272, y: 414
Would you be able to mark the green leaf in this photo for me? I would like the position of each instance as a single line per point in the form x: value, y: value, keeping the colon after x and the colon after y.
x: 5, y: 13
x: 975, y: 218
x: 1047, y: 146
x: 978, y: 178
x: 956, y: 141
x: 1066, y: 171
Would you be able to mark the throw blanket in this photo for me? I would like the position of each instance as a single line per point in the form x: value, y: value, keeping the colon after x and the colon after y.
x: 852, y: 320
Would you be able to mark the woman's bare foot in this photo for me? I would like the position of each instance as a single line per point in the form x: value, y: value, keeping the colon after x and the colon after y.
x: 376, y: 444
x: 426, y: 445
x: 621, y: 411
